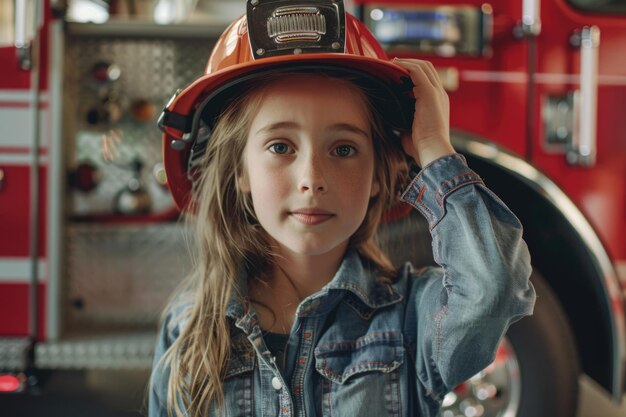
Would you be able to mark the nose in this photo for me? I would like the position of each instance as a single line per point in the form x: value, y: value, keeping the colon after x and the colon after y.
x: 312, y: 179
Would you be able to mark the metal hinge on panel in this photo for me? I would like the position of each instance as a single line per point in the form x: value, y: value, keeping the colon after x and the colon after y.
x: 25, y: 17
x: 558, y: 122
x: 530, y: 25
x: 569, y: 119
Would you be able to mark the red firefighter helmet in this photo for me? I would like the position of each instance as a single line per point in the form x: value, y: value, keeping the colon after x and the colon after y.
x: 274, y: 36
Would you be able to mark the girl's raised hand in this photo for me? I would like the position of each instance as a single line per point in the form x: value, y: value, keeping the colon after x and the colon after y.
x: 430, y: 136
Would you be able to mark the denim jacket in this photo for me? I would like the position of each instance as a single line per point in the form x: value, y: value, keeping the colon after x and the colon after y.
x: 359, y: 347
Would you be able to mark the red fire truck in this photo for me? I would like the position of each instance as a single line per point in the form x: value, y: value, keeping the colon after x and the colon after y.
x: 89, y: 243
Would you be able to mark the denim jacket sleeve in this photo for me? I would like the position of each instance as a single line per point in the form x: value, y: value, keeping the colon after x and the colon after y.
x: 465, y: 307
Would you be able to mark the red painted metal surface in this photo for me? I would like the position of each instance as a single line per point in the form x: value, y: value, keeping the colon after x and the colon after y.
x: 15, y: 196
x: 15, y: 212
x: 14, y: 313
x: 14, y: 206
x: 600, y: 192
x: 496, y: 108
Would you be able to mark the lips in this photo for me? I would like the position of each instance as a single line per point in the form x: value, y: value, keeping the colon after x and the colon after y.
x: 311, y: 216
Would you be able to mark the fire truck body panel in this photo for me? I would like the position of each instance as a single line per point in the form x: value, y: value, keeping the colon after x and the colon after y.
x: 599, y: 192
x: 25, y: 117
x: 15, y: 260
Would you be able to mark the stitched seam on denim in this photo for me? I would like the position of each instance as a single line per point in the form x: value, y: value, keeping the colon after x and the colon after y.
x: 442, y: 160
x: 394, y: 393
x: 417, y: 201
x: 330, y: 403
x: 242, y: 402
x: 390, y: 392
x: 436, y: 334
x: 411, y: 187
x: 246, y: 396
x: 446, y: 195
x: 233, y: 371
x: 304, y: 351
x: 421, y: 205
x: 355, y: 288
x: 397, y: 393
x: 252, y: 395
x: 359, y: 343
x: 361, y: 366
x: 420, y: 201
x: 438, y: 319
x: 474, y: 179
x: 450, y: 186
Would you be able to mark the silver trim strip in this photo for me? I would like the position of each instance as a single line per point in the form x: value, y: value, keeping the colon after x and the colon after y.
x: 530, y: 175
x: 55, y: 182
x: 585, y: 102
x: 17, y: 270
x: 17, y: 128
x: 23, y: 43
x: 21, y: 96
x: 531, y: 18
x: 35, y: 84
x: 540, y: 77
x: 20, y: 159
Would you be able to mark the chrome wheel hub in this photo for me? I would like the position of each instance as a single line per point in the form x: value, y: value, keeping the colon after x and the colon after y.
x: 493, y: 392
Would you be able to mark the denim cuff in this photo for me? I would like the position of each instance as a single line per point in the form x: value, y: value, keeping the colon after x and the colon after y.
x: 430, y: 188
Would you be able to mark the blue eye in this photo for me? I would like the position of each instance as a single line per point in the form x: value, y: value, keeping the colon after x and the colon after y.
x: 344, y: 151
x: 279, y: 148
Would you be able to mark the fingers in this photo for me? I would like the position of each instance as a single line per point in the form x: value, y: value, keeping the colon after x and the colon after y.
x: 420, y: 71
x: 430, y: 134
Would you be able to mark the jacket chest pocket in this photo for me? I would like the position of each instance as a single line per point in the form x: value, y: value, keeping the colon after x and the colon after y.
x: 361, y: 377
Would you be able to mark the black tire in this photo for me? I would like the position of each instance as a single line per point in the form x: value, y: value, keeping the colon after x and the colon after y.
x: 547, y: 357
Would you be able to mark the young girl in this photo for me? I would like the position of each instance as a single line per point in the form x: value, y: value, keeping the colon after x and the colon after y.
x: 286, y: 154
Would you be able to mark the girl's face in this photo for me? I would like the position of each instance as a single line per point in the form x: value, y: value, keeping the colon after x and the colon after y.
x: 309, y: 164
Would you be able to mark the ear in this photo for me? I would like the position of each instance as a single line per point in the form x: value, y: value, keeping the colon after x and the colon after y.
x: 375, y: 188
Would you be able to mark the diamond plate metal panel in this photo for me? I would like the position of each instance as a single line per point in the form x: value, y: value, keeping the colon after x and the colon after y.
x: 117, y: 277
x: 122, y: 275
x: 14, y: 353
x: 151, y: 70
x: 103, y: 351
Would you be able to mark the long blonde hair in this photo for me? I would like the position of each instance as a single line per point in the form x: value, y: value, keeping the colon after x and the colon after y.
x: 229, y: 241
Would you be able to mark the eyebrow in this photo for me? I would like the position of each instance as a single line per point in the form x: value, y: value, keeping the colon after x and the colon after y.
x: 350, y: 128
x: 347, y: 127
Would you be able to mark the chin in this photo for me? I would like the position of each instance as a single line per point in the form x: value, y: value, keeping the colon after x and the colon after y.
x: 314, y: 248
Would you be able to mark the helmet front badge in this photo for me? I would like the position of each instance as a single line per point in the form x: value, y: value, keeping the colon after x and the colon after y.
x: 278, y: 27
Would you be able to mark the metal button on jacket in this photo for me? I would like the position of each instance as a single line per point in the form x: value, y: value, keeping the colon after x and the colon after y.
x: 276, y: 383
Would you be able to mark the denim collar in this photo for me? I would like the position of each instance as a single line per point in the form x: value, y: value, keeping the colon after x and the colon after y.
x: 353, y: 276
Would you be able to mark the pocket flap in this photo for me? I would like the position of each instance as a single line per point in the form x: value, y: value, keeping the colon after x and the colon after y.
x: 381, y: 351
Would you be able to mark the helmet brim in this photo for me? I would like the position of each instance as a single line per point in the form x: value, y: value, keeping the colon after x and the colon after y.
x: 205, y: 98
